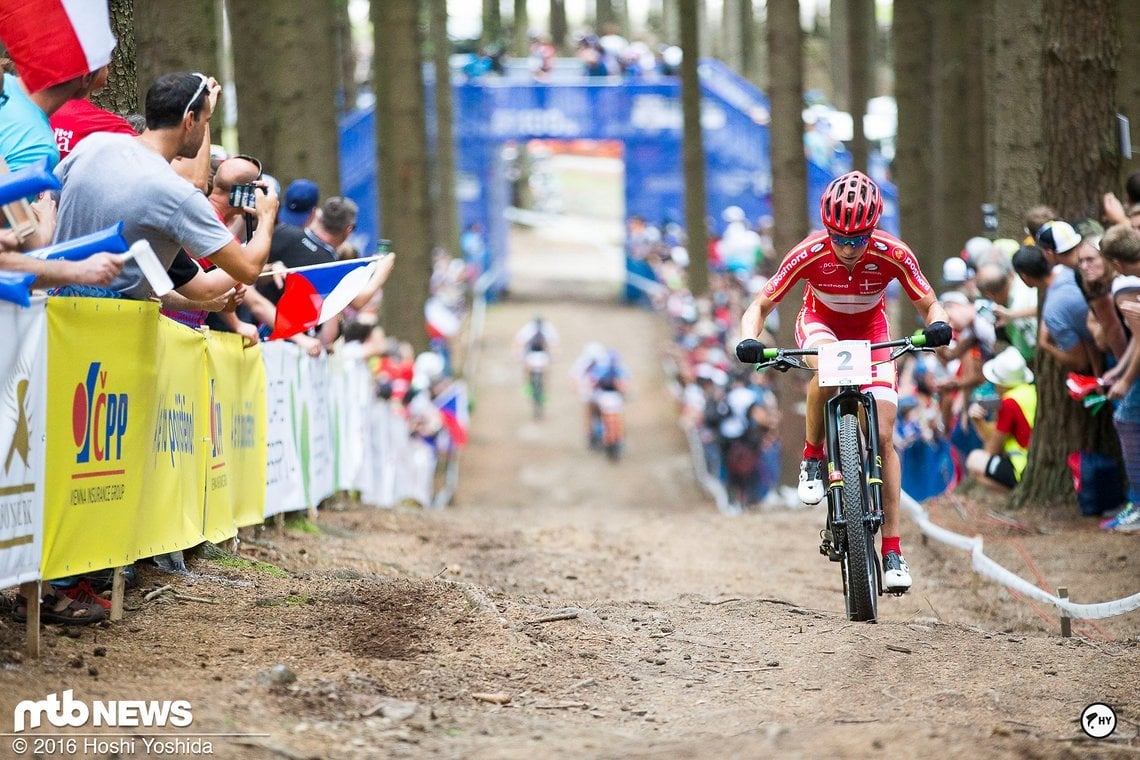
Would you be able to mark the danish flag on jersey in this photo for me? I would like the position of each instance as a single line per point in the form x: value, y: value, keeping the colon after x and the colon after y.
x: 52, y: 41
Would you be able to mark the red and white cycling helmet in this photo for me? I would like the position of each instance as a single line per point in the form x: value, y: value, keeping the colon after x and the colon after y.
x: 851, y: 204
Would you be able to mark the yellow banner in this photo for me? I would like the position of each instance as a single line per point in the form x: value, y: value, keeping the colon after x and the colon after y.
x: 125, y: 417
x: 236, y: 461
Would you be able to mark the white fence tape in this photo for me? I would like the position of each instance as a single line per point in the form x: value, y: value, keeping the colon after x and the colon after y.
x: 985, y: 566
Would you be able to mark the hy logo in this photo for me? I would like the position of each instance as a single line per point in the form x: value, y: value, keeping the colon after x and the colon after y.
x: 97, y: 417
x: 69, y: 712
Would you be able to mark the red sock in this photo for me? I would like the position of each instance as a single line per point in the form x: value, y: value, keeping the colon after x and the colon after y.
x: 813, y: 450
x: 891, y: 544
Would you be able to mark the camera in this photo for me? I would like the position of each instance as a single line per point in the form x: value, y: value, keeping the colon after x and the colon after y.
x: 242, y: 196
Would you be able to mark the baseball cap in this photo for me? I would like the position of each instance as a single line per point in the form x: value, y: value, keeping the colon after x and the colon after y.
x: 300, y: 199
x: 955, y: 271
x: 1058, y: 236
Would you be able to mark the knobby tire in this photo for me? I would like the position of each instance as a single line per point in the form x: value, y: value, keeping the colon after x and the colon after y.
x: 860, y: 576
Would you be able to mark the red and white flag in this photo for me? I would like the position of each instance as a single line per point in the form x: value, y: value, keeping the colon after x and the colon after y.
x: 52, y: 41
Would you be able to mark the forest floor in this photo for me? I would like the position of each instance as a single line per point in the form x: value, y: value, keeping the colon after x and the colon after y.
x: 567, y: 606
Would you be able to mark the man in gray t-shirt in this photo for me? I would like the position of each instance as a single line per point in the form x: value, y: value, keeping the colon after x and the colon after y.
x: 109, y: 178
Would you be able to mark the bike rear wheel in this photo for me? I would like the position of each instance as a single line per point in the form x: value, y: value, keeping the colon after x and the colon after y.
x: 860, y: 574
x: 537, y: 392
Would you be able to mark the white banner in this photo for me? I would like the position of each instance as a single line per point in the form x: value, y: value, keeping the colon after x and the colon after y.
x: 312, y: 410
x: 284, y: 484
x: 351, y: 392
x: 23, y: 417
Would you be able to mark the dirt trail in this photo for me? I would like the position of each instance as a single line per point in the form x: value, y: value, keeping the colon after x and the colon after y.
x: 683, y: 633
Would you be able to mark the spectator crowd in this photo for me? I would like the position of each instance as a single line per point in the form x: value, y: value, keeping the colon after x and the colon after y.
x: 220, y: 226
x: 1068, y: 290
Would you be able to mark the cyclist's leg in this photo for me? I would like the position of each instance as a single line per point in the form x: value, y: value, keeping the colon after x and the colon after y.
x: 892, y: 470
x: 812, y: 332
x: 884, y: 387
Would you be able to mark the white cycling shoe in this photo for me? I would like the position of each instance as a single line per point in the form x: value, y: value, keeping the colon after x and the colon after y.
x: 896, y: 574
x: 810, y: 488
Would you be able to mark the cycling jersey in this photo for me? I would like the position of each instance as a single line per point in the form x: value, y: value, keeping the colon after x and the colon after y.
x: 837, y: 294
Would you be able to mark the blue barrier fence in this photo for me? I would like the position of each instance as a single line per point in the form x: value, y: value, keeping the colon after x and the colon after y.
x: 644, y: 114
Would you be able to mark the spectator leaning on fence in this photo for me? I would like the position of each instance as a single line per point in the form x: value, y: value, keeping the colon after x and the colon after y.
x: 111, y: 177
x: 1121, y: 246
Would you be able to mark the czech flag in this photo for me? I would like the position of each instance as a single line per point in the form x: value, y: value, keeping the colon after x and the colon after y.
x: 452, y: 405
x: 315, y: 295
x: 52, y: 41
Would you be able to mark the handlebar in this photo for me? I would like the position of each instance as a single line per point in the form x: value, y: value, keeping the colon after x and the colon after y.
x: 783, y: 359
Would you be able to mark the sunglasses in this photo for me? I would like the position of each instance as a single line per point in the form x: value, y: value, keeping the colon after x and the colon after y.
x: 201, y: 87
x: 853, y: 241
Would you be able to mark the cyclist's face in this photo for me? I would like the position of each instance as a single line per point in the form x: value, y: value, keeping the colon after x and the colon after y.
x: 848, y: 254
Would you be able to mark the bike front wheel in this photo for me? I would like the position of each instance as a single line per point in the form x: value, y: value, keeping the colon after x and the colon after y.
x: 860, y: 574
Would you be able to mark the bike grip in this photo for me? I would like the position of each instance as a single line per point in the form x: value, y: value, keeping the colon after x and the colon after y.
x: 27, y: 182
x: 771, y: 353
x: 918, y: 340
x: 109, y: 240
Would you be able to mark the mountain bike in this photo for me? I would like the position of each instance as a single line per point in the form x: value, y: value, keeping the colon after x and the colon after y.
x: 854, y: 464
x: 536, y: 364
x: 611, y: 416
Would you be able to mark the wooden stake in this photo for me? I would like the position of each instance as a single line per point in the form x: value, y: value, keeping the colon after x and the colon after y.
x: 1066, y: 623
x: 31, y: 593
x: 118, y: 588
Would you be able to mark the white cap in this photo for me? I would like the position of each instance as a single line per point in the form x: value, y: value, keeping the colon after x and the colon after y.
x: 1007, y: 369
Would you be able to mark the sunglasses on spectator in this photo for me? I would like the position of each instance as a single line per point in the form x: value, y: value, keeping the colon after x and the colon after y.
x: 201, y: 86
x: 854, y: 241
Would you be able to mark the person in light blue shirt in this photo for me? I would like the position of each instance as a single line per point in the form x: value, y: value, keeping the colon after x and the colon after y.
x: 26, y: 137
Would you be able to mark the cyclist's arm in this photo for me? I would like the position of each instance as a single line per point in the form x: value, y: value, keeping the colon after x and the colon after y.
x: 930, y: 310
x: 752, y: 322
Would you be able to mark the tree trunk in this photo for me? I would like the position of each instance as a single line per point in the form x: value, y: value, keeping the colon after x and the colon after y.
x: 122, y: 93
x: 959, y: 127
x: 748, y: 58
x: 346, y: 58
x: 730, y: 34
x: 789, y: 170
x: 492, y: 23
x: 603, y: 15
x: 1082, y: 52
x: 839, y: 54
x: 861, y: 40
x: 694, y: 152
x: 193, y: 48
x: 1016, y: 113
x: 446, y: 214
x: 789, y: 188
x: 403, y: 166
x: 559, y: 28
x: 287, y: 109
x: 913, y: 163
x: 1081, y: 49
x: 520, y: 23
x: 1128, y: 84
x: 671, y: 21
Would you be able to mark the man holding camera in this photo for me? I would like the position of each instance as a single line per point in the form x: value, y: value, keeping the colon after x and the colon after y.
x: 110, y: 177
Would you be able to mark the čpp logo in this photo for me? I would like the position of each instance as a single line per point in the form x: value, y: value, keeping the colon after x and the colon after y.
x: 98, y: 418
x: 69, y: 712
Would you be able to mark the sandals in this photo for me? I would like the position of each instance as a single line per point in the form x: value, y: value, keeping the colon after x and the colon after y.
x: 58, y: 609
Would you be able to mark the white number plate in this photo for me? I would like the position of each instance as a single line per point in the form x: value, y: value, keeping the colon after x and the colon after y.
x: 847, y: 362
